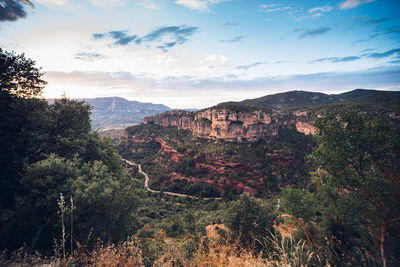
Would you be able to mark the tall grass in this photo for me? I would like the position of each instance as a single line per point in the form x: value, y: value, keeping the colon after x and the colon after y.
x: 276, y: 251
x: 289, y: 252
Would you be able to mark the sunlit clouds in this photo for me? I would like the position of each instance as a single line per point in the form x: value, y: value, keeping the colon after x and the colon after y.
x: 196, y: 53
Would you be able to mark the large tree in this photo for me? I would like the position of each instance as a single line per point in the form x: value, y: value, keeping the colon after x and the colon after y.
x: 19, y: 76
x: 358, y: 169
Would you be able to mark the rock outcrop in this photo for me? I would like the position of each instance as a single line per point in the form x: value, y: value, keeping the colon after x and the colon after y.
x: 221, y: 123
x: 305, y: 127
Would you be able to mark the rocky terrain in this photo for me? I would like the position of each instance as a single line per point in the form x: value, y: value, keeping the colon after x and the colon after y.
x: 222, y: 123
x: 250, y: 120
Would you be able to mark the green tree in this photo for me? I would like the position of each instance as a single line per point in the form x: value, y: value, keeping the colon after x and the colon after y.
x: 47, y: 149
x: 357, y: 166
x: 249, y: 218
x: 105, y: 201
x: 36, y: 221
x: 23, y: 136
x: 302, y: 205
x: 21, y: 118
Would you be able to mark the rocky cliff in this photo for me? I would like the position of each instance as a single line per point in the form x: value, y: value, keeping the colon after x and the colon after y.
x: 223, y: 123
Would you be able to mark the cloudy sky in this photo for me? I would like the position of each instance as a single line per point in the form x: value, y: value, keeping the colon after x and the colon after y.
x: 196, y: 53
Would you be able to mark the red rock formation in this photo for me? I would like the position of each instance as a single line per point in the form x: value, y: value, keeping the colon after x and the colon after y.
x: 287, y: 161
x: 305, y: 127
x: 171, y: 152
x: 138, y: 139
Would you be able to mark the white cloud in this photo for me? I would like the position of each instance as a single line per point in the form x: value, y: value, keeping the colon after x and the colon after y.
x: 53, y: 2
x: 104, y: 3
x: 353, y: 3
x: 320, y: 9
x: 216, y: 58
x: 165, y: 58
x: 273, y: 8
x: 149, y: 4
x: 200, y: 5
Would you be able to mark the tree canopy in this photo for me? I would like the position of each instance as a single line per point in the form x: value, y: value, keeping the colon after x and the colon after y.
x: 19, y: 76
x: 357, y: 168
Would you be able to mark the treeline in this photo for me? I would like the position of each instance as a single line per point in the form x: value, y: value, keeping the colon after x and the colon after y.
x: 48, y: 149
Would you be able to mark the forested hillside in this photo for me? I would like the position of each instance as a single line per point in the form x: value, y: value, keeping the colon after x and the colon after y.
x: 295, y: 99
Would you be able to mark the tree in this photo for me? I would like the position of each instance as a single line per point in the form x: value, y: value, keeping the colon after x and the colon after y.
x: 105, y: 201
x: 357, y: 163
x: 249, y: 218
x: 19, y: 76
x: 300, y: 204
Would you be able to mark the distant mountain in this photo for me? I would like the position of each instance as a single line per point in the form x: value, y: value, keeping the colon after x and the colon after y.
x: 303, y: 98
x: 117, y: 112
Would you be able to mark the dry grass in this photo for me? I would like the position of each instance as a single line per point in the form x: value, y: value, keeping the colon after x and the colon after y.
x: 212, y: 252
x: 124, y: 254
x: 284, y: 252
x: 288, y: 252
x: 24, y: 257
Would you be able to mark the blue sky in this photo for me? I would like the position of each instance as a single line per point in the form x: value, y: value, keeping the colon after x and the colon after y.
x: 197, y: 53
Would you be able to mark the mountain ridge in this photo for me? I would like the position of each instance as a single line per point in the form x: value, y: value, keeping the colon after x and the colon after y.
x: 117, y: 112
x: 300, y: 98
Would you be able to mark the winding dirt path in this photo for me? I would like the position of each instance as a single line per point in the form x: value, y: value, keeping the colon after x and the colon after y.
x: 146, y: 184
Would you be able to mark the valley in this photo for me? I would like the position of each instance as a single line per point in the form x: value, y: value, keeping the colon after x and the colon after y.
x: 234, y: 148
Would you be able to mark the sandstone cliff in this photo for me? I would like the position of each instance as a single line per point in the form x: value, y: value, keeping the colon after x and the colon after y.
x: 221, y: 123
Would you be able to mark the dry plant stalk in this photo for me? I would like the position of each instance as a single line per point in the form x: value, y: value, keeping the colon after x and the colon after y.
x: 61, y: 205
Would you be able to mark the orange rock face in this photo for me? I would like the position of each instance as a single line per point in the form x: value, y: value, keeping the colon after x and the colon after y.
x: 305, y: 127
x: 230, y: 125
x: 220, y: 123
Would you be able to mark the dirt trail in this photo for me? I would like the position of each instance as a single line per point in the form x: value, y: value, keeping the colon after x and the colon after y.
x: 146, y: 184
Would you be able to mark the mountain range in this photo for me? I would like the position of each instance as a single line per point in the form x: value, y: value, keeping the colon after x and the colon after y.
x: 117, y: 112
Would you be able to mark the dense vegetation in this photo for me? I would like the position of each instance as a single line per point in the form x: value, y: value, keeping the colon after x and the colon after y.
x: 211, y: 168
x: 66, y: 193
x: 47, y: 150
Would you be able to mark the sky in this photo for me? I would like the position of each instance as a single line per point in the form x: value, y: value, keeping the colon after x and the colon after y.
x: 197, y: 53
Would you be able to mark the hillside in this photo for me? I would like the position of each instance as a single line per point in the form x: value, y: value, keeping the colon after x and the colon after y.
x: 117, y: 112
x: 302, y: 98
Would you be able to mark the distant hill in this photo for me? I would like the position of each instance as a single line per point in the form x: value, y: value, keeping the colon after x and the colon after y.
x: 302, y: 98
x: 117, y: 112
